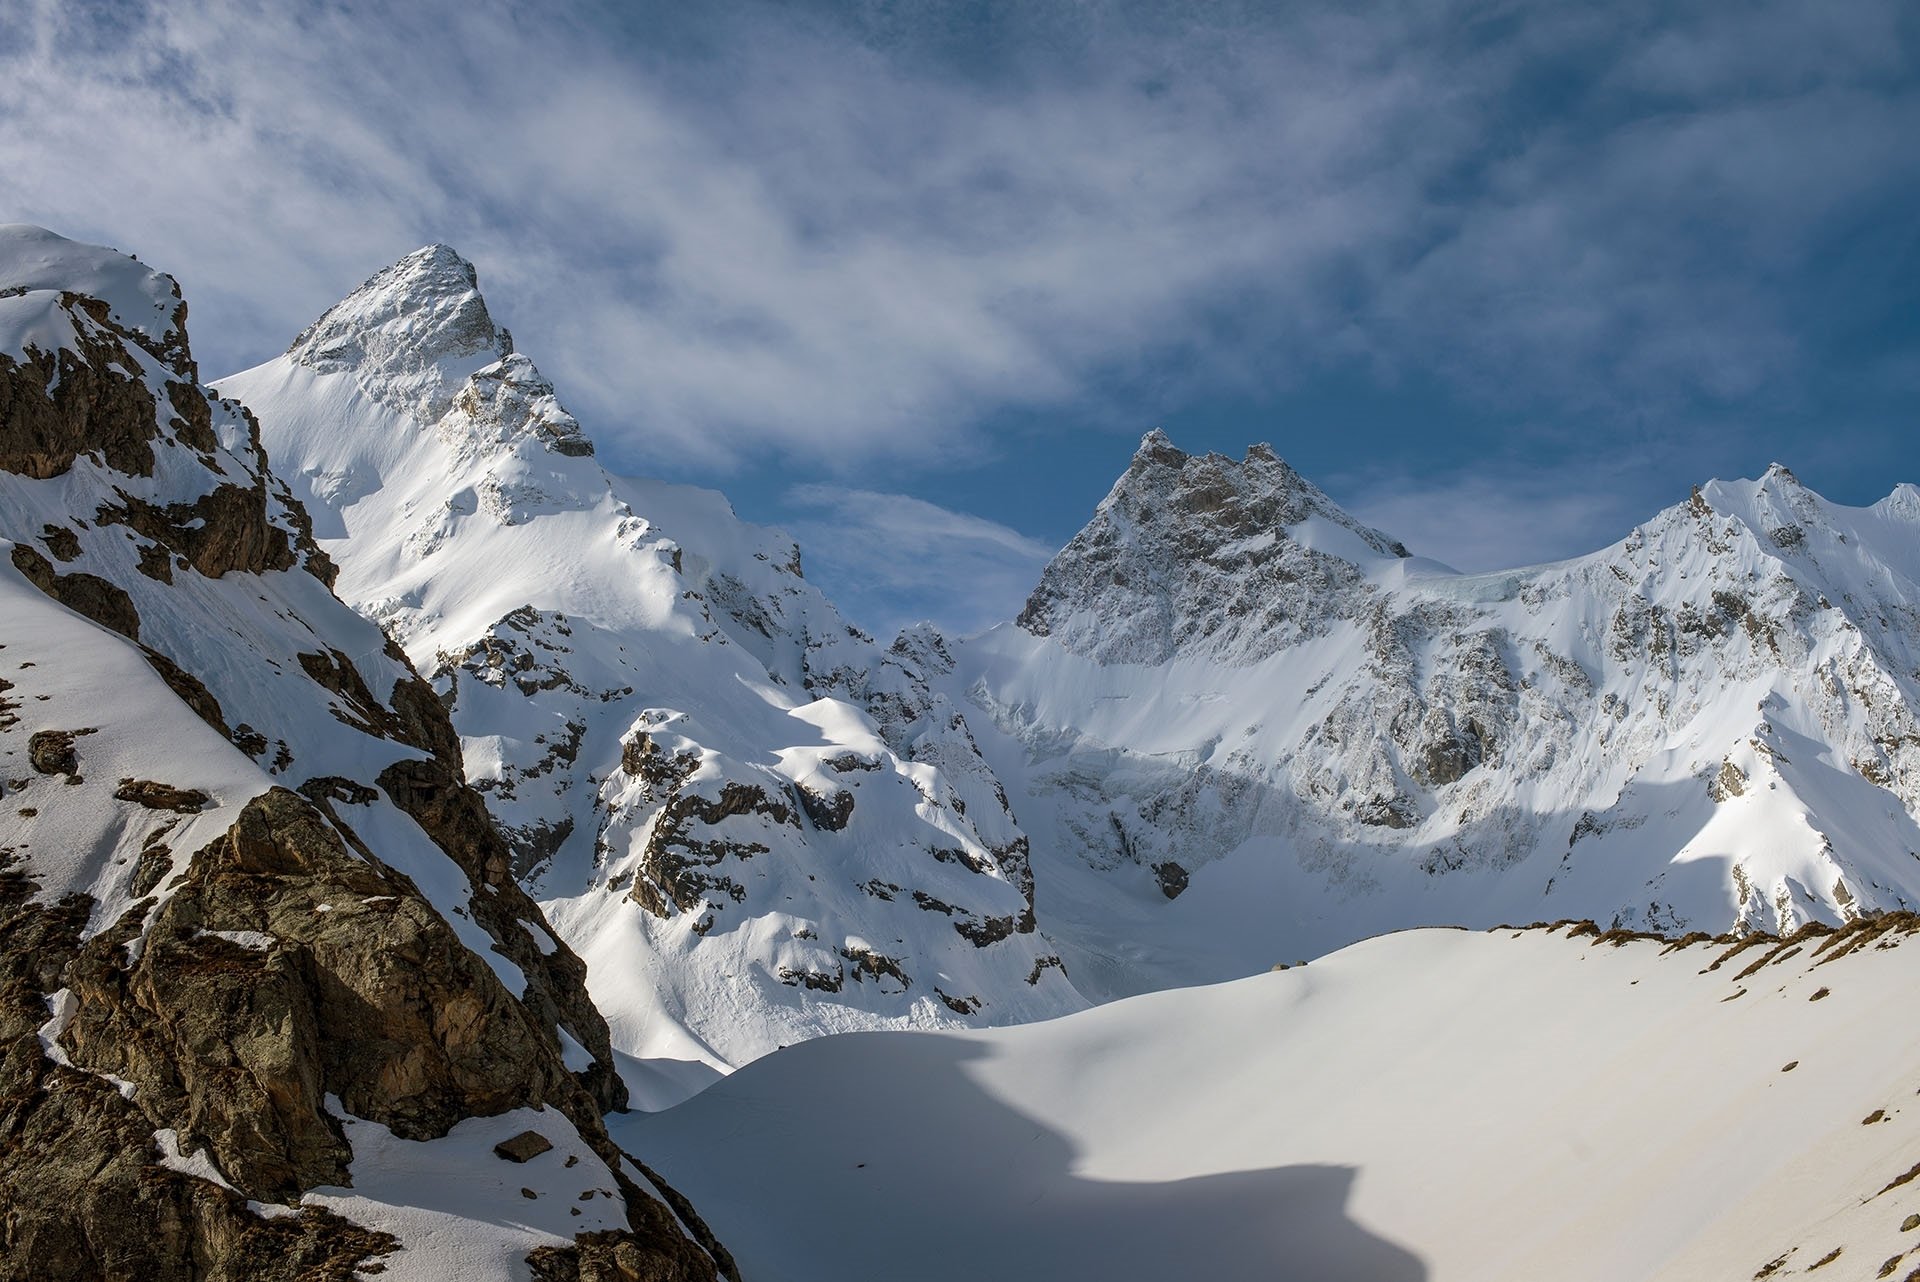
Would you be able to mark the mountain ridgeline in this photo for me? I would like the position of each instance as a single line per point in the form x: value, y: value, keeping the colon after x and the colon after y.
x: 1231, y: 725
x: 755, y: 824
x: 1226, y: 690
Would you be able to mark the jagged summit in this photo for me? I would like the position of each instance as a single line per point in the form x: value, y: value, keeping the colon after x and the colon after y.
x: 425, y: 306
x: 424, y: 309
x: 758, y: 824
x: 1237, y: 557
x: 1238, y: 499
x: 418, y: 337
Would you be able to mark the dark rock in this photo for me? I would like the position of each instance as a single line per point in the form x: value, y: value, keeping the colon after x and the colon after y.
x: 160, y: 796
x: 191, y: 691
x: 1172, y: 878
x: 982, y: 933
x: 57, y: 406
x: 107, y: 604
x: 830, y: 811
x: 817, y: 981
x: 523, y: 1147
x: 51, y: 752
x: 334, y: 788
x: 61, y: 541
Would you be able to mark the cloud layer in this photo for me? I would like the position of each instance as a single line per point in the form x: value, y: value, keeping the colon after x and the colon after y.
x: 763, y: 229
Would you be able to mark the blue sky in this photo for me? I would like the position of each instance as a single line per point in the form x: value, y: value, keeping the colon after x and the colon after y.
x: 911, y: 279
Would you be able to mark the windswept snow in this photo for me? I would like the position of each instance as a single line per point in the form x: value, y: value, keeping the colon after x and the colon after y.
x: 38, y: 266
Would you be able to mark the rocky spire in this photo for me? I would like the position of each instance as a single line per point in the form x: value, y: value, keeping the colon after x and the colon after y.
x: 422, y: 312
x: 1204, y: 550
x: 419, y: 335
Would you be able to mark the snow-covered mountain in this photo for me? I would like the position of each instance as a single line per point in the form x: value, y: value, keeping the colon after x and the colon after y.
x: 1428, y: 1106
x: 753, y: 823
x: 270, y: 994
x: 1239, y: 727
x: 1233, y: 724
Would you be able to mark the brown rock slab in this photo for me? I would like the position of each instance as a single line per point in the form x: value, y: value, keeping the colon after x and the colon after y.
x: 161, y: 796
x: 522, y: 1147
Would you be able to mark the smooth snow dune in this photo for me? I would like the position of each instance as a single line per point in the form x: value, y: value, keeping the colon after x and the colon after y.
x: 1428, y: 1105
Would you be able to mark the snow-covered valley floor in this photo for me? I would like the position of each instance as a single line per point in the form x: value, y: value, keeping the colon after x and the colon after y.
x: 1433, y: 1104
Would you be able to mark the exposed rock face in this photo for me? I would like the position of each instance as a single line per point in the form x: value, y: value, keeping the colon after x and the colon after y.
x: 84, y: 1191
x: 208, y: 979
x: 374, y: 1001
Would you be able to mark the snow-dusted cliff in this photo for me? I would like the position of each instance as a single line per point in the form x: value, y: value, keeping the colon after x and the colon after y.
x: 755, y: 824
x: 269, y: 992
x: 1238, y: 726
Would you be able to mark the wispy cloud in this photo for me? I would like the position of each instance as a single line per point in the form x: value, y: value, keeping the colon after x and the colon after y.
x: 891, y: 559
x: 847, y: 235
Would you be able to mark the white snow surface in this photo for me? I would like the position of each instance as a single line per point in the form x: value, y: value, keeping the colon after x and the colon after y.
x: 752, y: 823
x: 459, y: 1210
x: 1430, y: 1105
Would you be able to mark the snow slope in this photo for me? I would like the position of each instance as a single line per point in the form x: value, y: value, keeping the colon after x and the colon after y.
x: 754, y: 824
x: 1238, y: 726
x: 1427, y: 1105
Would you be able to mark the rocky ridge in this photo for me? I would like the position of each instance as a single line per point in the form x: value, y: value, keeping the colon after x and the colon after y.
x: 252, y: 919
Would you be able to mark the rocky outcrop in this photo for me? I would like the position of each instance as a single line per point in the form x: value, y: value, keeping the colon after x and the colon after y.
x: 84, y: 1192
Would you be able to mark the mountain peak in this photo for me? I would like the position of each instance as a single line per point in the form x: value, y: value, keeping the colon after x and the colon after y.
x: 1231, y: 556
x: 1156, y: 447
x: 424, y: 311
